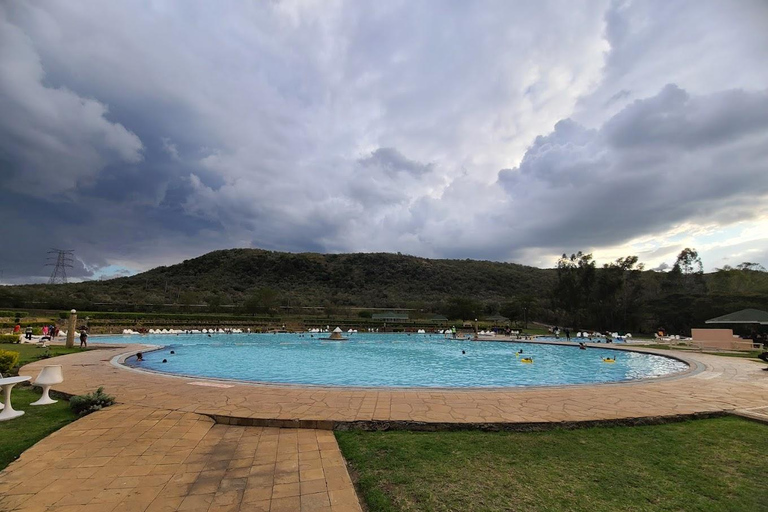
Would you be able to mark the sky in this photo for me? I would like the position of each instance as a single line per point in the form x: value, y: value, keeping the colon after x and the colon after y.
x: 143, y: 133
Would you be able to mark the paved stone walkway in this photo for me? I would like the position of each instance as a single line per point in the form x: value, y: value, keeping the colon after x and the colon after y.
x: 723, y: 384
x: 159, y: 450
x: 133, y: 458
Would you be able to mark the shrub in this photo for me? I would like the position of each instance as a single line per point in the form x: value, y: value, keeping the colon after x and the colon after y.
x: 13, y: 314
x: 8, y: 360
x: 92, y: 402
x: 9, y: 338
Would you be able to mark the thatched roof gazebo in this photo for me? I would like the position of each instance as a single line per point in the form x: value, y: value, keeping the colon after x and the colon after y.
x: 336, y: 335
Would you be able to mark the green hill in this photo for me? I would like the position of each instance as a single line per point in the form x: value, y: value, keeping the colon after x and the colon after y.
x: 228, y: 277
x: 580, y: 293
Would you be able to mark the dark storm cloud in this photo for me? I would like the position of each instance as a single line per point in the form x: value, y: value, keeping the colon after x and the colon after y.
x: 674, y: 119
x: 144, y: 134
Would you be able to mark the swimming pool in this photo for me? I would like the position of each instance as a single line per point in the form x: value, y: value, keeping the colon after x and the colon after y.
x: 390, y: 360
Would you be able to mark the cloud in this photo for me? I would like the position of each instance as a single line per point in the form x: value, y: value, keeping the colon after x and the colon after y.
x: 703, y: 46
x: 349, y: 126
x: 51, y: 137
x: 170, y: 148
x: 662, y: 161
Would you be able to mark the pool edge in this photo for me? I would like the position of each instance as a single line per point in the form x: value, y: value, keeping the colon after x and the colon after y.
x: 694, y: 367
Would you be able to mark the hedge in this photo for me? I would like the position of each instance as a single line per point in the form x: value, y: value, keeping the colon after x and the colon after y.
x: 97, y: 315
x: 13, y: 314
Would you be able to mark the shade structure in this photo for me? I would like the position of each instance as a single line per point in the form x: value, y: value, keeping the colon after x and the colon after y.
x: 745, y: 316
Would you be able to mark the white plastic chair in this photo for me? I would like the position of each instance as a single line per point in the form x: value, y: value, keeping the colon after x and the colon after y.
x: 47, y: 377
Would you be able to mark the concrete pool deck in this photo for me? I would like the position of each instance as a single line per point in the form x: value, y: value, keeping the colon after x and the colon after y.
x: 176, y: 443
x: 716, y: 384
x: 142, y: 459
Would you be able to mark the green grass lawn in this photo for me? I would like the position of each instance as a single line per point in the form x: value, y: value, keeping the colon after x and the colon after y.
x: 749, y: 354
x: 31, y: 353
x: 706, y: 465
x: 20, y: 433
x: 752, y: 354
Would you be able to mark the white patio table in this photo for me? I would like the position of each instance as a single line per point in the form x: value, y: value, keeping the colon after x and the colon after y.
x: 7, y: 384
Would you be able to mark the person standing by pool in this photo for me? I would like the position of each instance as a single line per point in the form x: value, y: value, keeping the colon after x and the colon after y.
x: 567, y: 334
x: 83, y: 339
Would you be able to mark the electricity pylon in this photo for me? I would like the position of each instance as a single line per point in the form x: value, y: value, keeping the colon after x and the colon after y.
x: 60, y: 260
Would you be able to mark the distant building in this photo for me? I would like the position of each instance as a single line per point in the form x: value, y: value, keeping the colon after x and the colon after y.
x: 439, y: 319
x: 497, y: 320
x: 390, y: 317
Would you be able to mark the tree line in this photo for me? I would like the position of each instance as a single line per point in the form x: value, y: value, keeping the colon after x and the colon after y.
x: 618, y: 296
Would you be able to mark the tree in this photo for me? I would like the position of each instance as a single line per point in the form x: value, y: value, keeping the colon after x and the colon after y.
x: 462, y: 308
x: 511, y: 309
x: 688, y: 262
x: 491, y: 308
x: 528, y: 305
x: 751, y: 267
x: 187, y: 299
x: 214, y: 301
x: 687, y: 273
x: 618, y: 294
x: 574, y: 287
x: 262, y: 301
x: 746, y: 277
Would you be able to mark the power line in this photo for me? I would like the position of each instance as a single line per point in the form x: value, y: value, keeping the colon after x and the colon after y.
x: 61, y: 260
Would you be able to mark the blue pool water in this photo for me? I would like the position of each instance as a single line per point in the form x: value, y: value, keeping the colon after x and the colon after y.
x: 390, y: 360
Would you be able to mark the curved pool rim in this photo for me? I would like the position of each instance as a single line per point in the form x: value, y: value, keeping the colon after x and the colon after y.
x: 693, y: 367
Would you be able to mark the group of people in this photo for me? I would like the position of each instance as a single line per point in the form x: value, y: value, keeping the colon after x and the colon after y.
x: 48, y: 332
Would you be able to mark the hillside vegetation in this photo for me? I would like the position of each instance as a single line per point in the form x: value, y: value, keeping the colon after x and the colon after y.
x: 618, y: 296
x: 307, y: 279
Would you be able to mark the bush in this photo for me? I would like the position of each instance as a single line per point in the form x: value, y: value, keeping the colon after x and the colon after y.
x: 13, y: 314
x: 92, y: 402
x: 9, y: 338
x: 8, y: 360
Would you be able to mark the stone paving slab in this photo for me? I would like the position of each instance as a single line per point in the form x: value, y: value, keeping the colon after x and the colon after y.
x: 160, y: 450
x: 133, y: 458
x: 720, y: 384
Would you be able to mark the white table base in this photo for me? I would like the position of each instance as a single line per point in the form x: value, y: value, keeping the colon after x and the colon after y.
x: 8, y: 411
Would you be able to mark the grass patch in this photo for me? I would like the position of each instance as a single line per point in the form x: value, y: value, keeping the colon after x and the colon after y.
x: 31, y: 353
x: 663, y: 346
x: 20, y: 433
x: 706, y: 465
x: 748, y: 354
x: 752, y: 354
